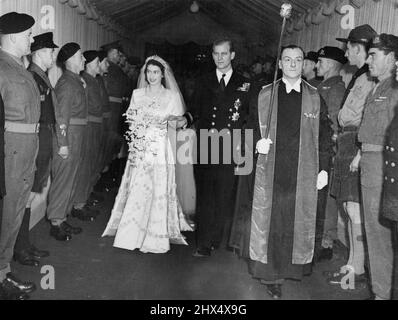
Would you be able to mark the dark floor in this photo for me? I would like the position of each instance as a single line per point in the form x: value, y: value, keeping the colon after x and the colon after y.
x: 89, y: 267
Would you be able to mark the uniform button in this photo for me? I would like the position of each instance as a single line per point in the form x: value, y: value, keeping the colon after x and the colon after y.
x: 212, y: 131
x: 213, y: 123
x: 230, y: 110
x: 387, y: 147
x: 392, y: 149
x: 386, y: 163
x: 215, y: 108
x: 214, y: 115
x: 228, y: 132
x: 386, y: 178
x: 393, y: 164
x: 228, y: 125
x: 392, y: 180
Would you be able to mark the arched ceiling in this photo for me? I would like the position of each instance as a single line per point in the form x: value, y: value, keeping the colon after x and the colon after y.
x: 253, y: 19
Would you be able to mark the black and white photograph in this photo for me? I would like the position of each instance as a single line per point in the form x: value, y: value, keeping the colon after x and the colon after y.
x: 198, y: 155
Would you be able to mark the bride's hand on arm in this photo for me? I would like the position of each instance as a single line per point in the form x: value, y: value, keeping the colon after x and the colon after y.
x: 177, y: 122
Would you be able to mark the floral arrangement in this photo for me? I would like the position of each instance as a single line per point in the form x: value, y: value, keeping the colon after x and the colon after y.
x: 137, y: 136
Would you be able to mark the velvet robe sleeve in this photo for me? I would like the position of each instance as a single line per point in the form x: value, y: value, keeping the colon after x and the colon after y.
x: 325, y: 138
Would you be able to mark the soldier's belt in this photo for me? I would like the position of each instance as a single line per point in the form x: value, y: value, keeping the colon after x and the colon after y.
x: 21, y: 127
x: 95, y: 119
x: 107, y: 115
x: 371, y: 147
x: 115, y: 99
x: 78, y: 121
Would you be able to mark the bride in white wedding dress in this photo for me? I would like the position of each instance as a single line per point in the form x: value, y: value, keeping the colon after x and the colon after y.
x: 147, y: 214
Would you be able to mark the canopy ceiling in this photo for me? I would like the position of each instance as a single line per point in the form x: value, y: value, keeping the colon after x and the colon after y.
x: 253, y: 19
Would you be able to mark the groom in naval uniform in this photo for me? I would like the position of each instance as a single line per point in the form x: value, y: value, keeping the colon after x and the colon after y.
x: 220, y: 105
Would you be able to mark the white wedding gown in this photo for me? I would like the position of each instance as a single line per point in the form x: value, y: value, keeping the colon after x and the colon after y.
x: 147, y: 214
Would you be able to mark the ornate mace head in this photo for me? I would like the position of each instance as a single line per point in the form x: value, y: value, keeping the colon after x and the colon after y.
x: 286, y: 10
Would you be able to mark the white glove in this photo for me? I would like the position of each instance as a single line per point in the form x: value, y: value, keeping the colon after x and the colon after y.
x: 322, y: 180
x: 263, y: 145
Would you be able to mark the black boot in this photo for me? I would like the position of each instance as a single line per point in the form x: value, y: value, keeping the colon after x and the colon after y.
x: 22, y: 243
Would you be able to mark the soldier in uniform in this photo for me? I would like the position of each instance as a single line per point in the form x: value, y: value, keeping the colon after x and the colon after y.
x: 390, y: 186
x: 72, y: 103
x: 114, y: 83
x: 90, y: 153
x: 346, y: 182
x: 309, y: 69
x: 331, y: 90
x: 127, y: 92
x: 379, y: 111
x: 21, y: 99
x: 42, y: 59
x: 105, y: 154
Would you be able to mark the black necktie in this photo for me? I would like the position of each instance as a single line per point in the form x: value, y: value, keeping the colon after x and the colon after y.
x: 356, y: 75
x: 222, y: 83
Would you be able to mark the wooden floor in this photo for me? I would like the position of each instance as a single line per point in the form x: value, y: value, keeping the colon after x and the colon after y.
x: 89, y: 267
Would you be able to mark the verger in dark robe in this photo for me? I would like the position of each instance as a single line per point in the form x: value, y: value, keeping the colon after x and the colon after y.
x: 276, y: 229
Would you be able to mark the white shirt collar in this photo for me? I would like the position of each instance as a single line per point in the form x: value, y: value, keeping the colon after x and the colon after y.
x: 228, y: 75
x: 295, y: 87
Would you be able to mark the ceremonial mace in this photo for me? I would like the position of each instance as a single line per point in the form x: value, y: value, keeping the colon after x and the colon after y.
x: 286, y: 11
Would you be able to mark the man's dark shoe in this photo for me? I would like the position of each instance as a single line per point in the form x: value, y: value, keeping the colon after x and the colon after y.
x: 202, y: 252
x: 274, y: 290
x: 10, y: 292
x: 23, y: 257
x: 325, y: 254
x: 37, y: 253
x: 12, y: 281
x: 83, y: 214
x: 70, y: 229
x: 59, y: 234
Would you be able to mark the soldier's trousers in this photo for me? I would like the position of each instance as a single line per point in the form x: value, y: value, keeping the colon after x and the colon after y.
x: 115, y: 137
x: 20, y: 156
x: 63, y: 174
x: 377, y: 228
x: 105, y: 154
x: 88, y: 169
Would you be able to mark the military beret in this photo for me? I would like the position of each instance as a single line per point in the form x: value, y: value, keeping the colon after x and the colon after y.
x: 102, y: 55
x: 14, y: 22
x: 90, y: 55
x: 67, y: 51
x: 311, y: 55
x: 361, y: 34
x: 44, y: 40
x: 385, y: 42
x: 332, y: 53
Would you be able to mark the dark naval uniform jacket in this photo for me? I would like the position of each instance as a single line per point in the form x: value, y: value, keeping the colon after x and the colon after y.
x: 218, y: 112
